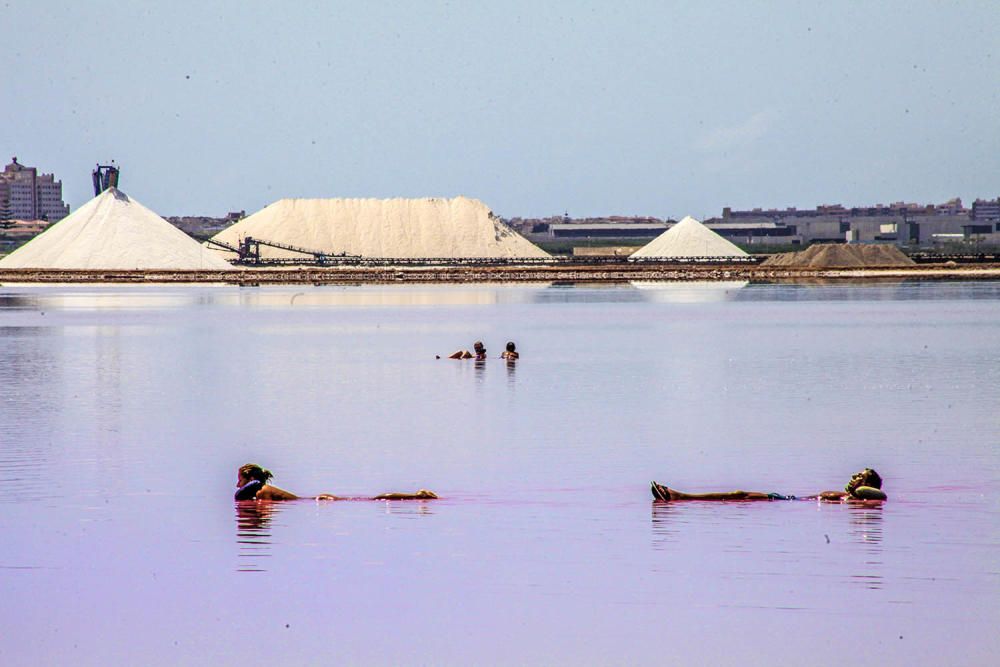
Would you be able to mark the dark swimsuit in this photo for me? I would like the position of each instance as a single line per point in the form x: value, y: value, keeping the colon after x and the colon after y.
x: 249, y: 490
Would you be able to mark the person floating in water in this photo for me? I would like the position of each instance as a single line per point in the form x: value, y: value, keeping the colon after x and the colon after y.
x: 480, y: 353
x: 510, y: 354
x: 252, y: 484
x: 865, y: 485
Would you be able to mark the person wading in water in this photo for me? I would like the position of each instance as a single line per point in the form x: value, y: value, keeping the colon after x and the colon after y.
x: 480, y: 353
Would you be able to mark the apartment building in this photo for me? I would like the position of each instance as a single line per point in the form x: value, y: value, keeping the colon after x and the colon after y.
x: 27, y: 195
x: 986, y: 210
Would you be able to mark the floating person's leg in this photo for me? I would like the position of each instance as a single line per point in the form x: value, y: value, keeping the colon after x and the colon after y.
x: 664, y: 494
x: 422, y: 494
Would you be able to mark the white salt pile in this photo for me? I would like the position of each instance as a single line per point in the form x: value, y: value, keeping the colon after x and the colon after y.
x: 689, y: 238
x: 113, y: 231
x: 390, y: 228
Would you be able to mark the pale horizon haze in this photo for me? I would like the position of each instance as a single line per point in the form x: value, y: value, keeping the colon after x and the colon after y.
x: 626, y: 108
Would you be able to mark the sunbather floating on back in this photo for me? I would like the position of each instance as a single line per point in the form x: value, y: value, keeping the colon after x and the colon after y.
x: 865, y: 485
x: 251, y: 484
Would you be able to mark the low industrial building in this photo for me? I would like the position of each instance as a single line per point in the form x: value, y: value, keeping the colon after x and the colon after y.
x: 901, y: 223
x: 624, y: 230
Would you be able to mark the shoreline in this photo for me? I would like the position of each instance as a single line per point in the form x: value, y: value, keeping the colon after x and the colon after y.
x: 604, y: 273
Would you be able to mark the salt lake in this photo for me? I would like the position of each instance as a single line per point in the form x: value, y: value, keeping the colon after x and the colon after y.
x: 125, y: 411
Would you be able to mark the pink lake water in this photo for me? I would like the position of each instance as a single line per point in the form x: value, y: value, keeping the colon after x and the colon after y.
x: 124, y: 412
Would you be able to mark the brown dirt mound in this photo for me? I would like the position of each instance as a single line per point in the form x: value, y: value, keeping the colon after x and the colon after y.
x: 835, y: 255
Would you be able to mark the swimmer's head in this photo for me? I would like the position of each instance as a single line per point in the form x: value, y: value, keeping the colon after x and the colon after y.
x: 510, y: 346
x: 253, y: 472
x: 866, y: 477
x: 478, y: 346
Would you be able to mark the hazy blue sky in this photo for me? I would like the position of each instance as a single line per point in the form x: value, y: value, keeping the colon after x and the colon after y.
x: 658, y: 108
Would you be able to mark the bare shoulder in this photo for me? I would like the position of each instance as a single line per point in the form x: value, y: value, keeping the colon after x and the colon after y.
x: 832, y: 495
x: 274, y: 493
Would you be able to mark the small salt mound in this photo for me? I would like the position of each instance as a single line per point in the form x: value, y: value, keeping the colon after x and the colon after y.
x: 391, y: 228
x: 112, y: 231
x: 835, y: 255
x: 689, y: 238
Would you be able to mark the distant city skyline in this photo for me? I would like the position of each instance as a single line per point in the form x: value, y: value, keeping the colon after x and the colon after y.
x: 595, y: 109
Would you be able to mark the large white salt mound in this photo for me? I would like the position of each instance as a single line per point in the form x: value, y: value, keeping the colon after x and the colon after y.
x: 113, y: 231
x: 391, y: 228
x: 689, y: 238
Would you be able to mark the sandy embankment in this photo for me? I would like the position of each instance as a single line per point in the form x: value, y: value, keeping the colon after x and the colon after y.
x: 608, y: 273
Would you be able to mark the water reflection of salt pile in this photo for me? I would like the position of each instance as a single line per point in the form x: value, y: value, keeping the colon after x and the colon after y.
x: 429, y: 295
x: 111, y: 297
x: 697, y: 291
x: 125, y: 297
